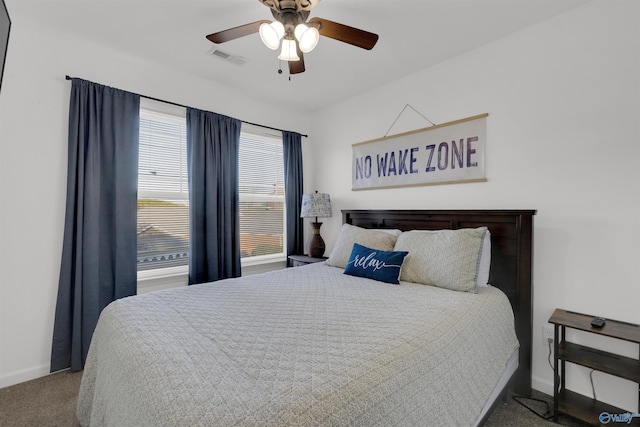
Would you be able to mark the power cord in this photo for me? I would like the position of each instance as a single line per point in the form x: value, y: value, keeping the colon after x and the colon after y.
x: 548, y: 413
x: 547, y: 416
x: 549, y: 340
x: 593, y: 388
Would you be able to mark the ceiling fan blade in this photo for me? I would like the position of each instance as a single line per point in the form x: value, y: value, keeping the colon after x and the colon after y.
x: 297, y: 67
x: 344, y: 33
x: 236, y: 32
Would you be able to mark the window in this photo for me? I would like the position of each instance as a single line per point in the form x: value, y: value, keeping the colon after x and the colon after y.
x: 163, y: 198
x: 261, y: 187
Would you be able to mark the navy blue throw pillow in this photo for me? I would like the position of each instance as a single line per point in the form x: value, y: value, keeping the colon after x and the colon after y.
x: 375, y: 264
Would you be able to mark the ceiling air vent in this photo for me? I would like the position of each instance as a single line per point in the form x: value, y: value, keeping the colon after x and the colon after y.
x: 234, y: 59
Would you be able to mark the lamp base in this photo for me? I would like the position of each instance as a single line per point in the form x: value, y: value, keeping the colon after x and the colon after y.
x: 315, y: 245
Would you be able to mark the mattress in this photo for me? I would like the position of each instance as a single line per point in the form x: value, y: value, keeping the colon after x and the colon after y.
x: 302, y: 346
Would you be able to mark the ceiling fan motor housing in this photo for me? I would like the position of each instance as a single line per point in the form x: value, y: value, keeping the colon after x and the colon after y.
x: 290, y: 18
x: 306, y: 5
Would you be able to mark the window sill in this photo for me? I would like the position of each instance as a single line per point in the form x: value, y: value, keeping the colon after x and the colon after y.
x: 262, y: 259
x: 174, y: 277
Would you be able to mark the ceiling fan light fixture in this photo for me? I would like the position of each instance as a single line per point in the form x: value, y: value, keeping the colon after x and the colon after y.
x: 307, y: 37
x: 295, y: 42
x: 289, y: 52
x: 271, y: 34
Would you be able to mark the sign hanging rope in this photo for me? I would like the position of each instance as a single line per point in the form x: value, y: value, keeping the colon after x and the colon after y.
x: 401, y: 112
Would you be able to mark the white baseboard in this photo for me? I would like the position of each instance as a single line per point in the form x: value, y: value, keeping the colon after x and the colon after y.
x: 23, y: 375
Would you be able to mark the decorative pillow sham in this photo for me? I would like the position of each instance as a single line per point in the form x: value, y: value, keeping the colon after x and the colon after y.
x: 444, y: 258
x: 484, y: 266
x: 375, y: 264
x: 351, y: 234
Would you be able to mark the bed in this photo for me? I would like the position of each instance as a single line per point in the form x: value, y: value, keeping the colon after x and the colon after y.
x: 314, y: 346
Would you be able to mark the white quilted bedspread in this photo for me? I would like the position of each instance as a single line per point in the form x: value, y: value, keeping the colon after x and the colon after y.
x: 305, y: 346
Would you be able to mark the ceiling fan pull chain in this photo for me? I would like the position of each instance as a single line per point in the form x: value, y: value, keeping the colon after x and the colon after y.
x: 405, y: 107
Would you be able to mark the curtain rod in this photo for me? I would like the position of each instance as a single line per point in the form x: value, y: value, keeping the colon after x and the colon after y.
x: 184, y: 106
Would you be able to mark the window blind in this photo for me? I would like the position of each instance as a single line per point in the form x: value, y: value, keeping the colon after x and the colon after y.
x: 163, y: 198
x: 261, y: 188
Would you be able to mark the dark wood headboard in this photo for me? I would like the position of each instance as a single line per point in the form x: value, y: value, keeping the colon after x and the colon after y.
x: 511, y: 258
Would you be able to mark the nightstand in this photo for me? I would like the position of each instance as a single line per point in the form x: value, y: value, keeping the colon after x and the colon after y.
x: 574, y: 404
x: 299, y: 260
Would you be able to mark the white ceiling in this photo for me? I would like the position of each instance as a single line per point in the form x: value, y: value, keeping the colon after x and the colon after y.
x: 414, y: 34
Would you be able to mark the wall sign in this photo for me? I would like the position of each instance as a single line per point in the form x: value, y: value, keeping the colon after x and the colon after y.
x: 441, y: 154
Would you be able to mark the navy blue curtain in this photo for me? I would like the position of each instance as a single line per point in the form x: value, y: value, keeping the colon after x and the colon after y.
x: 99, y: 248
x: 213, y: 142
x: 292, y: 153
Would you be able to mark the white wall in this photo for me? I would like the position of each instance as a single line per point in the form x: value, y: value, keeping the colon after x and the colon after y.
x: 563, y: 99
x: 33, y: 158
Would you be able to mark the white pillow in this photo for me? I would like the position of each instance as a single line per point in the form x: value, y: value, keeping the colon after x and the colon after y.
x: 350, y: 234
x: 394, y: 232
x: 445, y: 258
x: 482, y: 278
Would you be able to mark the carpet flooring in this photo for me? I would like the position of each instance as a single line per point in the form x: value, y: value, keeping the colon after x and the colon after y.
x: 51, y: 401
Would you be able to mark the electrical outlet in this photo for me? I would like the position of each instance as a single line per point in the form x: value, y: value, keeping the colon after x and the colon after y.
x: 547, y: 334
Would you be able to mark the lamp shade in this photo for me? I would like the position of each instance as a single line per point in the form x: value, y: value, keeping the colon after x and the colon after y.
x: 271, y: 34
x: 307, y: 37
x: 289, y: 51
x: 316, y: 205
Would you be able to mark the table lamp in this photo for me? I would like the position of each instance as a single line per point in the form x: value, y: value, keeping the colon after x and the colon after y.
x: 315, y: 205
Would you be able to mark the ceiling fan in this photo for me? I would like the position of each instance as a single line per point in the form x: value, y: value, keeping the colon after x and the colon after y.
x: 298, y: 35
